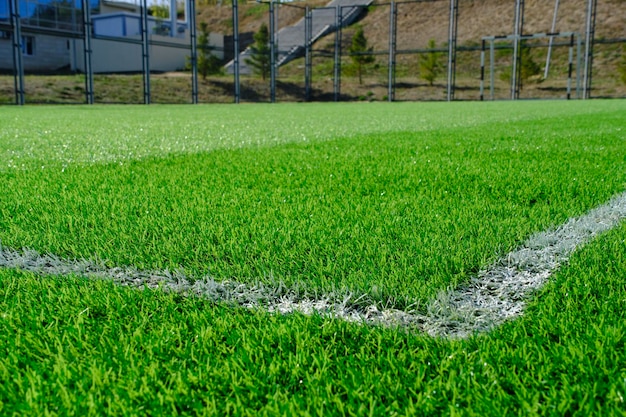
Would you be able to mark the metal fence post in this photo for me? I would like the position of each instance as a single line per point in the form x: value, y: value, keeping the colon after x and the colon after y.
x: 391, y: 86
x: 145, y: 49
x: 18, y: 68
x: 272, y: 54
x: 492, y: 69
x: 454, y: 11
x: 193, y: 39
x: 579, y: 48
x: 236, y: 49
x: 89, y: 96
x: 570, y: 66
x: 590, y: 30
x: 518, y: 30
x: 482, y: 70
x: 337, y: 73
x: 308, y: 23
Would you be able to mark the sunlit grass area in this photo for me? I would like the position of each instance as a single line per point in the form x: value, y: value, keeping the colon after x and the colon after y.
x: 397, y: 213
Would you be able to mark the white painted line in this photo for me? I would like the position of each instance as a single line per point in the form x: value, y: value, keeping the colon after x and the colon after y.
x: 495, y: 295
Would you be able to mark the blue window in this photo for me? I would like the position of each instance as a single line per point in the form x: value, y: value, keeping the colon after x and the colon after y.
x: 28, y: 45
x: 4, y: 9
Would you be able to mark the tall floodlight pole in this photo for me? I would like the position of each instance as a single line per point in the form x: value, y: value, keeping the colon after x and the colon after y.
x: 589, y: 38
x: 236, y: 49
x: 87, y: 52
x: 190, y: 9
x: 391, y: 84
x: 452, y: 34
x: 18, y: 68
x: 272, y: 54
x: 517, y: 31
x: 552, y: 30
x: 145, y: 50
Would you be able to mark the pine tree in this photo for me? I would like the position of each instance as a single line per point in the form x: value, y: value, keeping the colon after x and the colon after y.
x: 358, y: 52
x: 208, y: 64
x: 430, y: 67
x: 260, y: 58
x: 528, y: 67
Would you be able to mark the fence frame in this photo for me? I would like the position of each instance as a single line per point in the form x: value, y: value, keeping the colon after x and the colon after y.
x: 17, y: 29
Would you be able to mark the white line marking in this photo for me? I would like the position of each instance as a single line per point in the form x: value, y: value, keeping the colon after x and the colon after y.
x: 496, y: 295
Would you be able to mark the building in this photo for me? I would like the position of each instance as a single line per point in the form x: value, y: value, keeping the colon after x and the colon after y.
x: 52, y: 37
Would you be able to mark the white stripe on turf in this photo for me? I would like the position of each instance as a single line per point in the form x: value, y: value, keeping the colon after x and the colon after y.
x: 497, y: 294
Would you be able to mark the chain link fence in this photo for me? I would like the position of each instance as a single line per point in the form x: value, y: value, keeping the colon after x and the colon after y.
x: 76, y: 51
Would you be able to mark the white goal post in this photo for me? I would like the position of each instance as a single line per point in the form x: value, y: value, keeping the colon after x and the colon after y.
x: 574, y: 40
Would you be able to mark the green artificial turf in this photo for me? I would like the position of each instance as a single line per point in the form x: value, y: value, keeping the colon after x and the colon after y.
x: 396, y: 215
x: 76, y: 347
x: 396, y: 201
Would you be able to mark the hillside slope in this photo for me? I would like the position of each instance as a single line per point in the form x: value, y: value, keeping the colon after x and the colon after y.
x: 418, y: 22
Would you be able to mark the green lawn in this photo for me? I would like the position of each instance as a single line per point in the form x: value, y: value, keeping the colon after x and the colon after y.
x: 395, y: 201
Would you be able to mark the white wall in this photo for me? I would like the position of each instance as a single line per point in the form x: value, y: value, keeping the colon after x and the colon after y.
x: 112, y: 27
x: 127, y: 24
x: 113, y: 56
x: 50, y: 53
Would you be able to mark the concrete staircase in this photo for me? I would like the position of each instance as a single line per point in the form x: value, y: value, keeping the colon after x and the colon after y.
x: 290, y: 42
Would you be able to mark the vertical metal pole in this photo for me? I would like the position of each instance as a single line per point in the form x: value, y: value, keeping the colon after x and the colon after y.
x: 145, y: 50
x: 553, y: 28
x: 236, y: 48
x: 337, y: 77
x: 589, y: 39
x: 391, y: 87
x: 570, y: 65
x: 272, y: 54
x: 173, y: 18
x: 308, y: 18
x: 277, y: 41
x: 18, y: 68
x: 517, y: 33
x: 190, y: 10
x: 579, y: 48
x: 482, y: 70
x: 492, y: 69
x: 452, y: 32
x: 87, y: 53
x: 515, y: 50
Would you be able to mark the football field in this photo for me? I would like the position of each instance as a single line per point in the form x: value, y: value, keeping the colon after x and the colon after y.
x: 314, y: 259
